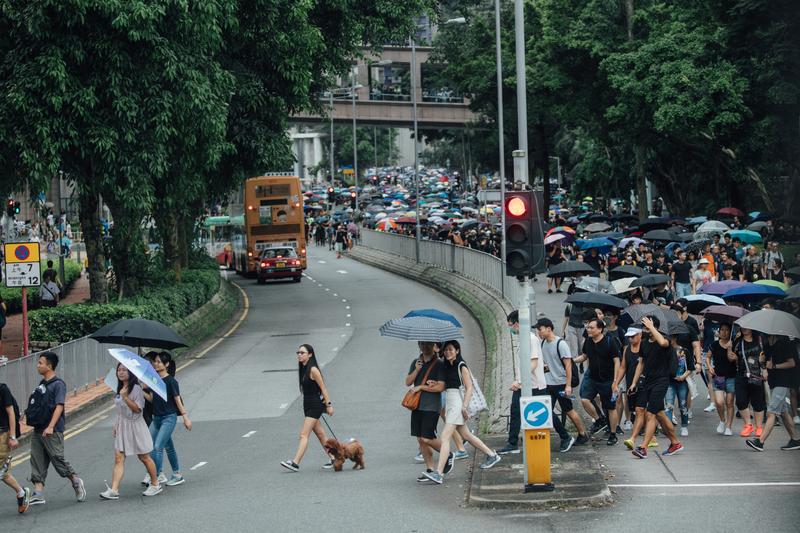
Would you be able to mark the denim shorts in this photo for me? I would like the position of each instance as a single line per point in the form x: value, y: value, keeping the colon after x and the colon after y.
x: 723, y: 384
x: 777, y: 400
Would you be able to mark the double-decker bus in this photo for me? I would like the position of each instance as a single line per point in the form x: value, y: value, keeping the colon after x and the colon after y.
x: 215, y: 234
x: 272, y: 216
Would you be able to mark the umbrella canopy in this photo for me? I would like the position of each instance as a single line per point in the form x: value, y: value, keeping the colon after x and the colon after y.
x: 771, y: 322
x: 721, y: 287
x: 405, y: 220
x: 711, y: 227
x: 757, y: 226
x: 635, y: 313
x: 591, y: 284
x: 676, y: 326
x: 659, y: 235
x: 694, y: 221
x: 139, y: 332
x: 725, y: 314
x: 623, y: 285
x: 141, y: 368
x: 656, y: 223
x: 626, y: 271
x: 698, y: 302
x: 794, y: 272
x: 773, y: 283
x: 570, y: 269
x: 651, y: 280
x: 595, y: 243
x: 636, y: 241
x: 420, y: 328
x: 730, y: 212
x: 697, y: 246
x: 386, y: 224
x: 561, y: 229
x: 469, y: 224
x: 555, y: 237
x: 436, y: 314
x: 596, y: 226
x: 596, y: 299
x: 752, y: 293
x: 745, y: 236
x: 793, y: 293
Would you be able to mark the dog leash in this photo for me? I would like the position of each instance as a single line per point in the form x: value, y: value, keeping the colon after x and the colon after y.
x: 329, y: 427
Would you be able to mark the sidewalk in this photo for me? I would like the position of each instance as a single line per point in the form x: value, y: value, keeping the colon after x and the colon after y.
x: 12, y: 332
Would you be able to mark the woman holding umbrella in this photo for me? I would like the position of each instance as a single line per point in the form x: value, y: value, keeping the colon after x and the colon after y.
x: 131, y: 436
x: 723, y: 375
x: 555, y: 256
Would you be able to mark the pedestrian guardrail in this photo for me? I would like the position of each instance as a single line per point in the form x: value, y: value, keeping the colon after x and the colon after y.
x: 483, y: 268
x: 82, y: 363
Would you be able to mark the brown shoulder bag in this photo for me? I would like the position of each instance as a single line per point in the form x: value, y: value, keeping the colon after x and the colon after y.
x: 411, y: 399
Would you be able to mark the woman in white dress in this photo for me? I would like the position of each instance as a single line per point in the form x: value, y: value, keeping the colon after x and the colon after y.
x: 131, y: 436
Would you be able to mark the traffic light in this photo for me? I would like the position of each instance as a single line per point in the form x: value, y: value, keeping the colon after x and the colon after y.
x: 353, y: 196
x: 523, y: 234
x: 10, y: 208
x: 16, y: 208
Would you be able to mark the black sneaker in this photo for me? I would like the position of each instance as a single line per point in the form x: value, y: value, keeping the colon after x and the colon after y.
x: 612, y: 440
x: 598, y: 426
x: 566, y: 444
x: 755, y: 444
x: 423, y: 478
x: 581, y: 440
x: 508, y: 448
x: 793, y: 445
x: 290, y: 465
x: 619, y: 431
x: 448, y: 466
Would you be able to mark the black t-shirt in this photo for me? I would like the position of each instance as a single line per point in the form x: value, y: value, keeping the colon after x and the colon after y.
x: 736, y: 268
x: 663, y: 297
x: 686, y: 341
x: 6, y: 400
x: 163, y: 407
x: 649, y: 267
x: 631, y: 362
x: 780, y: 352
x: 752, y: 351
x: 341, y: 235
x: 601, y: 357
x: 451, y: 378
x: 682, y: 271
x: 656, y: 360
x: 722, y: 365
x: 662, y: 268
x: 429, y: 401
x: 593, y: 261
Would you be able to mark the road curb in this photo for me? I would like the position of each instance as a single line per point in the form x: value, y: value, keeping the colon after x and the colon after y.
x: 219, y: 302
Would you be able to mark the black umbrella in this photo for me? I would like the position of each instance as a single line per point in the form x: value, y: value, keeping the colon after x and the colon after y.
x: 650, y: 280
x: 138, y: 332
x: 659, y: 235
x: 794, y: 273
x: 596, y: 299
x: 684, y: 237
x: 696, y: 246
x: 648, y: 225
x: 793, y: 293
x: 634, y: 314
x: 677, y: 327
x: 468, y: 225
x: 625, y: 217
x: 626, y: 271
x: 570, y: 268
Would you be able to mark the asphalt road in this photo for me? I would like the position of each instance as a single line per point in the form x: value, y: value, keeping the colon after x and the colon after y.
x: 242, y: 397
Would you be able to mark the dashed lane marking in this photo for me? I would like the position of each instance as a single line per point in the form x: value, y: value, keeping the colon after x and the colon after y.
x: 199, y: 465
x: 347, y: 307
x: 347, y: 325
x: 321, y: 262
x: 341, y: 271
x: 706, y: 485
x: 284, y: 405
x: 349, y: 315
x: 249, y: 434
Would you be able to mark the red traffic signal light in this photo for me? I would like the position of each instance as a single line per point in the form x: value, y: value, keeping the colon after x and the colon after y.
x: 352, y: 195
x: 517, y: 206
x: 523, y: 234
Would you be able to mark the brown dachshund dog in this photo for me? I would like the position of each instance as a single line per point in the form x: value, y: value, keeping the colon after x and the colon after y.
x: 352, y: 450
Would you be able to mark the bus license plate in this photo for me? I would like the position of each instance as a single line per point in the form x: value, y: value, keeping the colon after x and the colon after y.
x: 280, y: 265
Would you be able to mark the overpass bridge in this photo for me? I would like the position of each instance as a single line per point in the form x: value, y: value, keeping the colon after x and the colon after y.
x: 383, y: 94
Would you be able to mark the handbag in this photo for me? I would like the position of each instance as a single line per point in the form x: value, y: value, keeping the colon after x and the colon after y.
x: 477, y: 402
x: 411, y: 399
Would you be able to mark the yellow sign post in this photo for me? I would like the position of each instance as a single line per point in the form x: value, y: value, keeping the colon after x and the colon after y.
x: 537, y: 420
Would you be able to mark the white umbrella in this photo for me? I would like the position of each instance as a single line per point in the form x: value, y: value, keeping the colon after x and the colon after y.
x: 623, y: 285
x: 712, y: 227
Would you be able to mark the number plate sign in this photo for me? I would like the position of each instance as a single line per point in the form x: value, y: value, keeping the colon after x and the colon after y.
x: 22, y: 264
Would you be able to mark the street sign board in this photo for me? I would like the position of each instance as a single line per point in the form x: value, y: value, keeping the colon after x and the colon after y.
x: 536, y: 412
x: 22, y: 264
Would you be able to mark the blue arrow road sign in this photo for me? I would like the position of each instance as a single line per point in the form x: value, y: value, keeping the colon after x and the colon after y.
x: 535, y: 414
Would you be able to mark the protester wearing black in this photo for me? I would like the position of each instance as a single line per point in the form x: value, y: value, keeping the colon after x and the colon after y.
x: 9, y: 433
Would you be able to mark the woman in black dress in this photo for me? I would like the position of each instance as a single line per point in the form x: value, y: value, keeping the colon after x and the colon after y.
x: 315, y: 402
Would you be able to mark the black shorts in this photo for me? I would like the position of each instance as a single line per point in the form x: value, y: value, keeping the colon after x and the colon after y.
x: 591, y: 388
x: 313, y: 410
x: 564, y: 403
x: 651, y: 396
x: 749, y: 395
x: 423, y: 424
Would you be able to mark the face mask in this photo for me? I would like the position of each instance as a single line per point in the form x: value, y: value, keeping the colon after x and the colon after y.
x: 512, y: 330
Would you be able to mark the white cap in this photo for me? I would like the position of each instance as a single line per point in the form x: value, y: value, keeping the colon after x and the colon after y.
x: 632, y: 332
x: 703, y: 261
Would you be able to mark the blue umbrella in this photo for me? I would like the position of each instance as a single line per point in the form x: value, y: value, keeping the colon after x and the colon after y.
x: 141, y: 368
x: 434, y: 313
x: 602, y: 243
x: 420, y: 328
x: 752, y: 293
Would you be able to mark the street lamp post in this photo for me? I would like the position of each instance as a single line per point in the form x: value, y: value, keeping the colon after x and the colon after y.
x: 418, y: 232
x: 558, y: 163
x: 355, y: 139
x: 331, y: 148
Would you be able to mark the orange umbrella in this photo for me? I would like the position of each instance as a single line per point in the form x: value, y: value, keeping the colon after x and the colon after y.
x: 386, y: 224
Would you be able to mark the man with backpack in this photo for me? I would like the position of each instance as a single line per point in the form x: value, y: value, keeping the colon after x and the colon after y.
x: 9, y: 433
x: 561, y: 375
x: 45, y: 413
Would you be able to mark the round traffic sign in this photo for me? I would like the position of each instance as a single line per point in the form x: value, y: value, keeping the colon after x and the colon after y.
x: 535, y: 414
x: 22, y: 252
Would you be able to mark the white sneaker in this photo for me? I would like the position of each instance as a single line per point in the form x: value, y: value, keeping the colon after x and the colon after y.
x: 797, y: 420
x: 711, y: 408
x: 721, y: 428
x: 728, y: 432
x: 109, y: 494
x: 674, y: 420
x: 627, y: 426
x: 152, y: 490
x: 162, y: 478
x: 684, y: 432
x: 419, y: 458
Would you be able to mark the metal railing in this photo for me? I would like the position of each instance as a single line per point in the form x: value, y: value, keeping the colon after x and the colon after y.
x: 82, y: 364
x: 483, y: 268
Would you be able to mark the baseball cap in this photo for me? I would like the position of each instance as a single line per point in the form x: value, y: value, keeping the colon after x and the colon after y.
x: 703, y: 261
x: 632, y: 331
x: 544, y: 322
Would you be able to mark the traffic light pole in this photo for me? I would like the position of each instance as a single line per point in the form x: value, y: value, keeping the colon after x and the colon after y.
x: 524, y: 337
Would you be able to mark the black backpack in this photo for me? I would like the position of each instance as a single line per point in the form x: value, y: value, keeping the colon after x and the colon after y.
x: 38, y: 412
x: 15, y: 405
x: 576, y: 378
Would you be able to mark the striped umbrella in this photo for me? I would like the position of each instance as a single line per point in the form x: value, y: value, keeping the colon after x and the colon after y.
x: 420, y: 328
x: 386, y: 224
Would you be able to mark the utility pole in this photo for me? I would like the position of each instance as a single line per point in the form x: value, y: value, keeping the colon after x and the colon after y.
x: 61, y: 227
x: 418, y: 232
x: 355, y: 139
x: 331, y: 147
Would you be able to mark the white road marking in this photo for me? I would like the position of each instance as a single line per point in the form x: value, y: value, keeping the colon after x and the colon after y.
x: 284, y: 405
x: 341, y: 271
x: 326, y: 290
x: 198, y: 465
x: 344, y: 335
x: 343, y: 300
x: 249, y: 434
x: 706, y: 485
x: 335, y: 294
x: 347, y: 307
x: 335, y: 349
x: 321, y: 262
x: 347, y: 325
x: 349, y: 315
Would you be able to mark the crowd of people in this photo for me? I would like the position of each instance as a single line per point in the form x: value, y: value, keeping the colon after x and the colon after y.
x: 143, y: 427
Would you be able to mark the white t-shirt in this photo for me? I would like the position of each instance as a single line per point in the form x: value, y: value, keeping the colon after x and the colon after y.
x: 537, y: 376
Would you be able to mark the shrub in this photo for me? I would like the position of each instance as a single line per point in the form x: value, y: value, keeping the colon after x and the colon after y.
x: 166, y: 303
x: 13, y: 297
